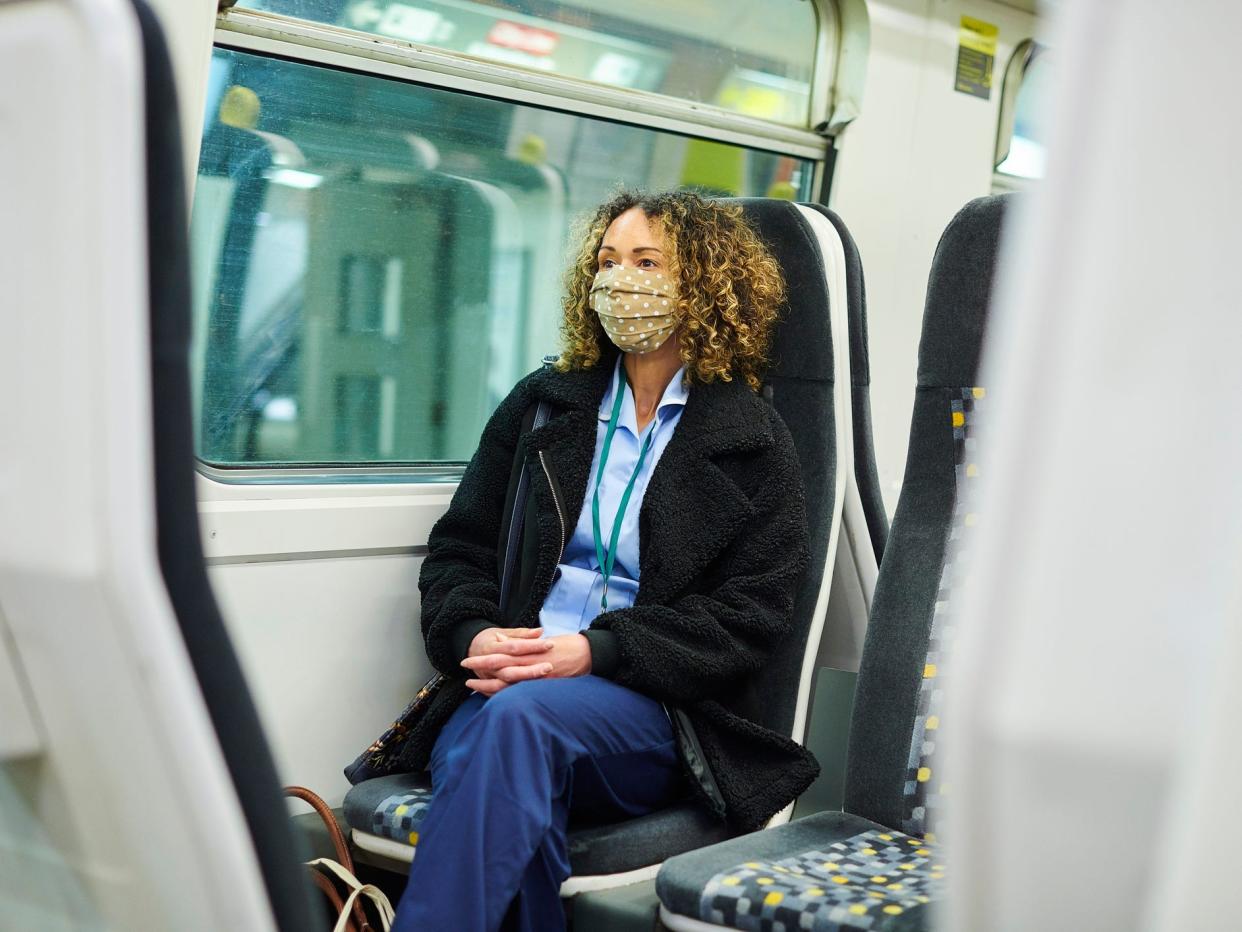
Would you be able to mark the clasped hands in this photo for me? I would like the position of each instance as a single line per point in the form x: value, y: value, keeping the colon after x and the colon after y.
x: 500, y: 657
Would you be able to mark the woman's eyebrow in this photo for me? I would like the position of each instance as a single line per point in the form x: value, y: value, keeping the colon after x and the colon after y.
x: 636, y: 249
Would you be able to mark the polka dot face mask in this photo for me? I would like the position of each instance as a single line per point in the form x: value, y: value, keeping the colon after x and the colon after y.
x: 635, y: 306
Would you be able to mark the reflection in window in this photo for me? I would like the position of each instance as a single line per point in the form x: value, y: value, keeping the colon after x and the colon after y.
x: 1025, y: 154
x: 377, y: 263
x: 752, y: 58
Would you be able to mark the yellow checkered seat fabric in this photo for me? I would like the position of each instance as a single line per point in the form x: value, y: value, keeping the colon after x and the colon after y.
x: 865, y: 881
x: 828, y: 872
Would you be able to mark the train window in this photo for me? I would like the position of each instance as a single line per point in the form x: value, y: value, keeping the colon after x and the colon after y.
x: 377, y: 262
x: 752, y: 58
x: 1020, y: 151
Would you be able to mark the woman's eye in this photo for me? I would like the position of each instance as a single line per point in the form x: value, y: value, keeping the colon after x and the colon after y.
x: 606, y: 263
x: 647, y: 263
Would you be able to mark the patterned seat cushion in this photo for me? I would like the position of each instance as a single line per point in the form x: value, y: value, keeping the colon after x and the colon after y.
x: 824, y: 873
x: 390, y: 807
x: 399, y: 815
x: 862, y: 882
x: 393, y: 808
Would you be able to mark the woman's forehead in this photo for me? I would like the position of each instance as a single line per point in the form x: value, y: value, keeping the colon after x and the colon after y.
x: 633, y: 230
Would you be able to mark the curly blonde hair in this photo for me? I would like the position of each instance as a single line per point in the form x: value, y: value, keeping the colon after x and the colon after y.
x: 729, y: 286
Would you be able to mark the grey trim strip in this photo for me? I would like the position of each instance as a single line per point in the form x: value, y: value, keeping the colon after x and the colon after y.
x: 334, y: 46
x: 340, y: 474
x: 244, y: 558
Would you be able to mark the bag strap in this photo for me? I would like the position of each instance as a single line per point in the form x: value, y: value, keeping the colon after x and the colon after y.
x: 341, y: 847
x: 324, y: 870
x: 316, y: 802
x: 328, y: 889
x: 383, y: 906
x: 376, y: 896
x: 517, y: 517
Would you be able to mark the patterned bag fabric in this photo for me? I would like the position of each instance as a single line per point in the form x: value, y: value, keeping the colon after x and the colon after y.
x: 379, y: 758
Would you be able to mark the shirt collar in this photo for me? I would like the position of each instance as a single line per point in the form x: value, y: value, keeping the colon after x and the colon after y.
x: 676, y: 393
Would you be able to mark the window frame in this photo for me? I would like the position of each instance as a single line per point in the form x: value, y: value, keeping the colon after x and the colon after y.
x: 348, y: 50
x: 340, y: 49
x: 1024, y: 56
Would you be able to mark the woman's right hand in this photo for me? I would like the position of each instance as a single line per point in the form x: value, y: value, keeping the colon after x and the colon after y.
x: 523, y: 650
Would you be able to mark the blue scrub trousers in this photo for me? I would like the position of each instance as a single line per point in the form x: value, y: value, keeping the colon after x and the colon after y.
x: 507, y: 773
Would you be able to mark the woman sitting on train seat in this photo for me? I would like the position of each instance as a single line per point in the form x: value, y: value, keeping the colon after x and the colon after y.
x: 668, y: 536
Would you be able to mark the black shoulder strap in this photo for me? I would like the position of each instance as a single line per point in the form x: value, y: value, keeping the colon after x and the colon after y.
x: 541, y: 411
x: 535, y: 417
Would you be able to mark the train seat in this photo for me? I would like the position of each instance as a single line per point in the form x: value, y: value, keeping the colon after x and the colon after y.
x: 864, y: 520
x: 876, y: 865
x: 384, y: 813
x: 865, y: 480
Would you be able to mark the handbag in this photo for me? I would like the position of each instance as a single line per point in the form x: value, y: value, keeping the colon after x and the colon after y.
x: 380, y: 757
x: 351, y: 914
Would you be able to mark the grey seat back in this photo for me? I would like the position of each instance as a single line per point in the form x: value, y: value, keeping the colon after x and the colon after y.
x: 800, y: 383
x: 866, y: 476
x: 221, y: 681
x: 890, y: 778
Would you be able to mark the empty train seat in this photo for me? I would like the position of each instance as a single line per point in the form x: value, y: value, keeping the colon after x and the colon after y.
x: 384, y: 813
x: 857, y: 561
x: 865, y: 478
x: 876, y: 865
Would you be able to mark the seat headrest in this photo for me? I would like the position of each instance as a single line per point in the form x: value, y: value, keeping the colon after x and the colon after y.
x: 802, y: 344
x: 958, y: 291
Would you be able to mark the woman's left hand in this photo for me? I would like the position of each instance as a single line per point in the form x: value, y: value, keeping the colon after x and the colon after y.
x: 570, y: 655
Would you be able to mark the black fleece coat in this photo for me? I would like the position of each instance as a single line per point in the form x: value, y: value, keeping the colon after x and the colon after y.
x: 722, y: 543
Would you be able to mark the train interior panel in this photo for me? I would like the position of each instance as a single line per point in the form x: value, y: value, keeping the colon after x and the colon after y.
x: 273, y: 267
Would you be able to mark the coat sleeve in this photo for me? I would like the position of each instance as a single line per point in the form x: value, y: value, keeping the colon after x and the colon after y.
x: 695, y: 647
x: 458, y: 581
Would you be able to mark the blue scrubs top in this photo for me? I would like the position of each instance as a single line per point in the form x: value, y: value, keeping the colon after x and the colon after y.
x: 578, y: 584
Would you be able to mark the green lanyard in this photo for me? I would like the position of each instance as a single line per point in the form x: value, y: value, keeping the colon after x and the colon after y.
x: 606, y: 560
